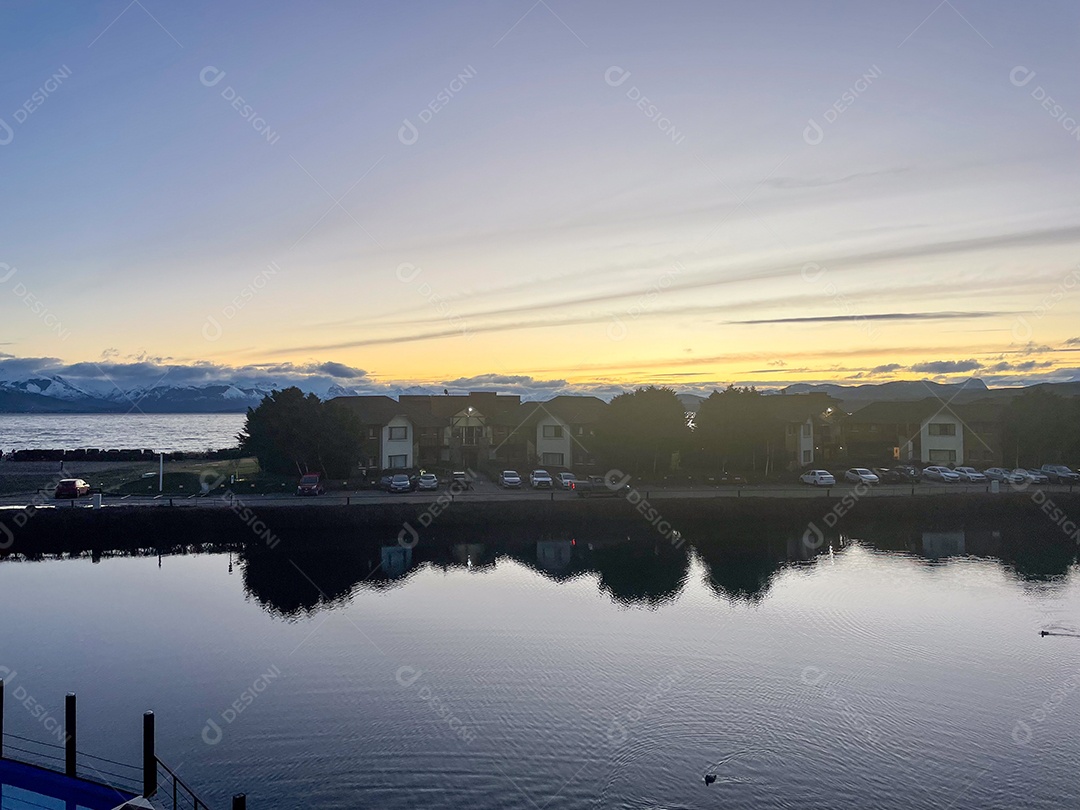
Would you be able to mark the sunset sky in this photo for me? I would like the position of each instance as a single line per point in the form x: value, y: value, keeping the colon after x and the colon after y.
x: 541, y: 197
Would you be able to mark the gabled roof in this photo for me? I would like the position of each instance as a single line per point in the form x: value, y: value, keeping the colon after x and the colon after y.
x: 571, y: 410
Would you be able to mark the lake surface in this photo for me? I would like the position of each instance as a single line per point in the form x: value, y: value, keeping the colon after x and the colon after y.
x: 161, y: 432
x: 545, y: 673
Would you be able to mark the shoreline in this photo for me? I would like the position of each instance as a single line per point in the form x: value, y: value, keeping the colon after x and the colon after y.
x: 1053, y: 516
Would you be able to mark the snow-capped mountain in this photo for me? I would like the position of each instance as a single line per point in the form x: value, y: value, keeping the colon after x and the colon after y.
x: 54, y: 394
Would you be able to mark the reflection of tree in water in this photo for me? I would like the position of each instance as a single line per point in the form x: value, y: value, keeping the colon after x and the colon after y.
x: 640, y: 574
x: 741, y: 563
x: 294, y: 580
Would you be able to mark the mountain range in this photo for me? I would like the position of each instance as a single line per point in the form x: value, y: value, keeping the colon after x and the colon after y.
x: 56, y: 395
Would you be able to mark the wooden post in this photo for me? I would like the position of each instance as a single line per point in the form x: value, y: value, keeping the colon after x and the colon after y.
x: 239, y: 801
x: 149, y: 756
x: 71, y: 729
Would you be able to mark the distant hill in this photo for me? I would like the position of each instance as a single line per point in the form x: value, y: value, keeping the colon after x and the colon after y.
x: 854, y: 397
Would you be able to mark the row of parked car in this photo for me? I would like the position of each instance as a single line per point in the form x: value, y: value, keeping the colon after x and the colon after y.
x: 538, y: 479
x: 909, y: 474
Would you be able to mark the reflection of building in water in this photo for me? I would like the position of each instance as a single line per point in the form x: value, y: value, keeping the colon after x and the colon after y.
x: 396, y: 560
x: 943, y: 544
x: 554, y: 555
x: 468, y: 554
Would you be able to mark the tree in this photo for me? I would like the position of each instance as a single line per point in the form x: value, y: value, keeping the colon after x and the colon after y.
x: 1041, y: 427
x: 733, y: 428
x: 643, y: 430
x: 285, y: 432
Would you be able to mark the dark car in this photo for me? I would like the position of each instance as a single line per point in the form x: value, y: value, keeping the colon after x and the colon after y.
x: 310, y: 484
x: 401, y: 483
x: 912, y: 475
x: 72, y: 488
x: 892, y: 475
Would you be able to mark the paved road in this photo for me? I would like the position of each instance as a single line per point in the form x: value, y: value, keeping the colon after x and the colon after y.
x: 485, y: 491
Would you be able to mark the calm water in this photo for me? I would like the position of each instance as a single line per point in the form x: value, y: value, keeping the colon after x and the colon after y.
x: 162, y: 432
x: 547, y: 674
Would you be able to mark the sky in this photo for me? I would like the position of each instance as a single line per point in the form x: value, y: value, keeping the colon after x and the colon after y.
x: 540, y: 196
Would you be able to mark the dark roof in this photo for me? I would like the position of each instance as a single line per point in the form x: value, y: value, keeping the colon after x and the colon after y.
x: 379, y: 410
x: 488, y: 403
x: 572, y: 410
x: 900, y: 413
x: 798, y: 407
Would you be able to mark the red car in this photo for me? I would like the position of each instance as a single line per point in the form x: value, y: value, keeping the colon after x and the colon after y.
x: 72, y: 488
x: 310, y: 484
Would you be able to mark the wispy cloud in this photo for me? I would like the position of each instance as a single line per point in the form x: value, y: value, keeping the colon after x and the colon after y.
x: 881, y: 316
x: 947, y: 366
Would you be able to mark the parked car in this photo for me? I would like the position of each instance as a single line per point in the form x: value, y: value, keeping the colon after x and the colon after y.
x: 818, y: 478
x: 401, y: 483
x: 942, y: 474
x: 861, y: 475
x: 1060, y: 474
x: 564, y: 480
x: 460, y: 480
x: 71, y: 488
x: 597, y: 486
x: 914, y: 474
x: 540, y: 479
x: 1032, y: 476
x: 427, y: 482
x: 384, y: 483
x: 890, y: 475
x: 970, y: 475
x: 310, y: 484
x: 509, y: 479
x: 1003, y: 475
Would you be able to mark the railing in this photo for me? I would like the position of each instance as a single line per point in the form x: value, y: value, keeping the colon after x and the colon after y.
x: 154, y: 779
x: 173, y: 793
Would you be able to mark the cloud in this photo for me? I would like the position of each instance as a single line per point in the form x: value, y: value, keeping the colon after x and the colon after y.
x: 888, y: 368
x: 947, y: 366
x: 1027, y: 365
x: 1073, y: 341
x: 818, y: 182
x: 881, y: 316
x: 340, y: 370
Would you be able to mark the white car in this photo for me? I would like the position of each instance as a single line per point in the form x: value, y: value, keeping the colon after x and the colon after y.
x: 861, y: 475
x: 970, y: 475
x: 540, y: 479
x: 565, y: 480
x: 1034, y: 476
x: 510, y: 479
x: 818, y: 478
x: 942, y: 474
x: 427, y: 482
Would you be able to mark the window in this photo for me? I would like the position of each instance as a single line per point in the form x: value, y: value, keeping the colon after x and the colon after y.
x: 807, y: 456
x: 552, y: 431
x: 806, y: 430
x: 948, y: 456
x: 579, y: 430
x: 942, y: 429
x: 552, y: 460
x: 398, y: 462
x: 470, y: 436
x: 399, y: 433
x: 371, y: 432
